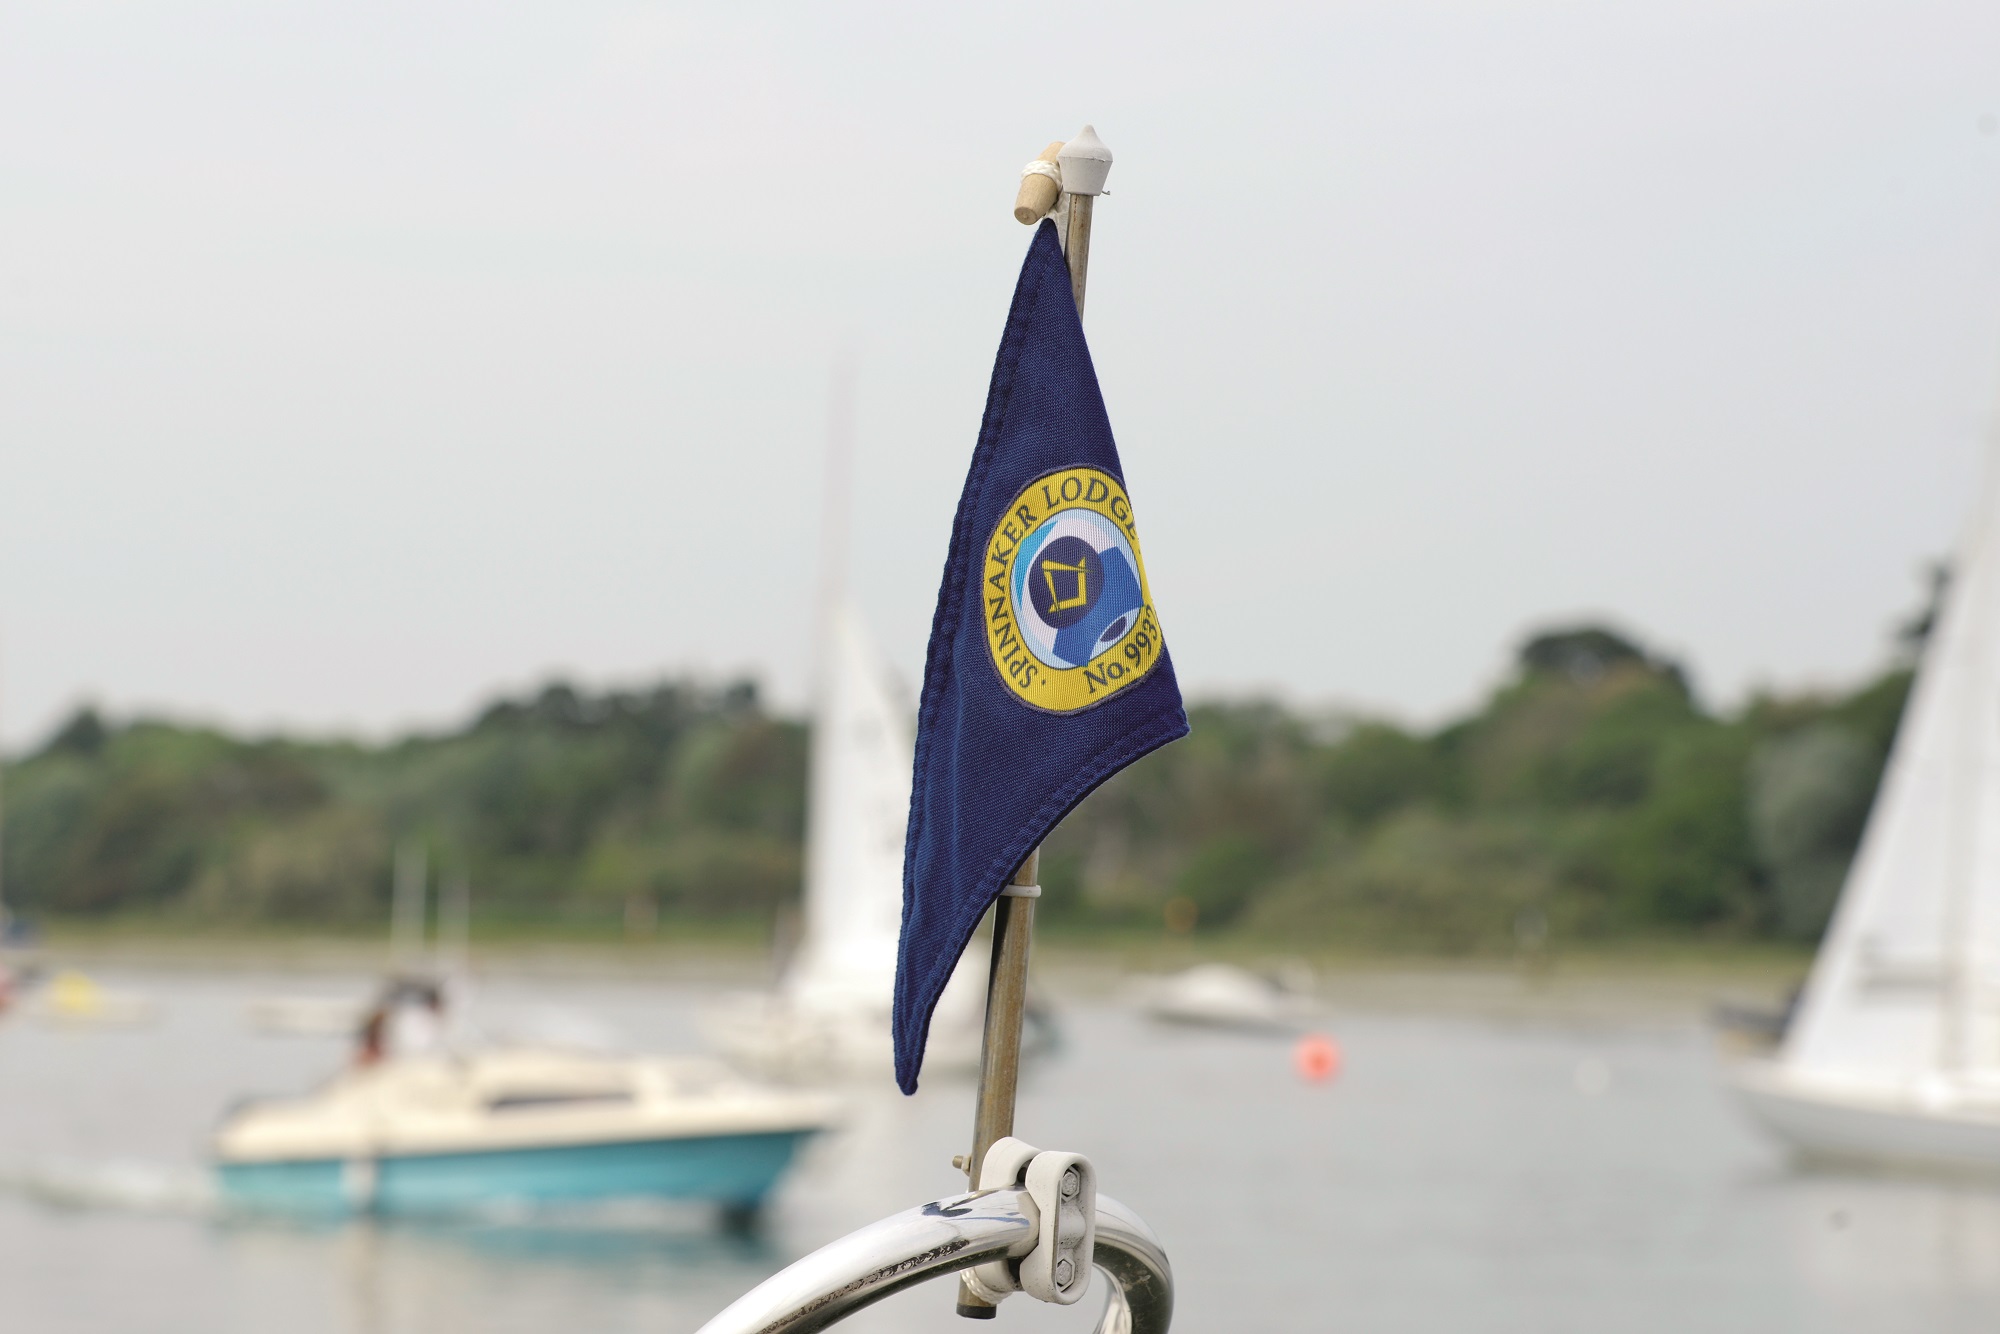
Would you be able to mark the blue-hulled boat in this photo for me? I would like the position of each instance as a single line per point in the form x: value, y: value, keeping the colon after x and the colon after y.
x: 515, y: 1126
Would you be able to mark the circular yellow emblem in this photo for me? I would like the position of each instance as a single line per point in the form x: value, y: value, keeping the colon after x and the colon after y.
x: 1069, y: 619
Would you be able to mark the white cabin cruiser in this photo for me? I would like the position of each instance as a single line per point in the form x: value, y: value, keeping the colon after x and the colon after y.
x: 1222, y: 995
x: 513, y: 1125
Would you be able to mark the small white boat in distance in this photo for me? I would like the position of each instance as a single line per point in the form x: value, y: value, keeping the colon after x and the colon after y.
x: 70, y: 999
x: 305, y: 1016
x: 1894, y: 1054
x: 514, y: 1126
x: 1222, y: 995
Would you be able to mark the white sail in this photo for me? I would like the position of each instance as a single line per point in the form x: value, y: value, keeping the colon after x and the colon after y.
x: 830, y: 1014
x: 858, y: 808
x: 1902, y: 993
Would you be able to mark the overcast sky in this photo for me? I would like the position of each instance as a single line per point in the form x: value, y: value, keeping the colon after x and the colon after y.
x: 360, y: 360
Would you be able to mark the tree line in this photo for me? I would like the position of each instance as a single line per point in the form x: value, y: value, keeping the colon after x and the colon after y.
x: 1592, y: 796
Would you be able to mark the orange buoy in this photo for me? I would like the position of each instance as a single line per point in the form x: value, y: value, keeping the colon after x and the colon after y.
x: 1316, y: 1058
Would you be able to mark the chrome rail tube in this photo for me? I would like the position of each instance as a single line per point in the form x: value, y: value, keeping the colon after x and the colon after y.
x: 942, y: 1238
x: 1140, y: 1279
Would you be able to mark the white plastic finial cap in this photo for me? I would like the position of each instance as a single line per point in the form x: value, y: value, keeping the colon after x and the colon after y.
x: 1086, y: 163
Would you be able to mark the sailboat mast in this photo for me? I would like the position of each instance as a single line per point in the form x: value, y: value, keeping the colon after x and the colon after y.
x: 1065, y: 181
x: 409, y: 906
x: 837, y: 505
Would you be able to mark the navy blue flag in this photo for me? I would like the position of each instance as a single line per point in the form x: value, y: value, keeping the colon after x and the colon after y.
x: 1046, y: 672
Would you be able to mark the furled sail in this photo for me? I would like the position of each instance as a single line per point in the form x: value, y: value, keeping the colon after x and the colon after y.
x: 1902, y: 992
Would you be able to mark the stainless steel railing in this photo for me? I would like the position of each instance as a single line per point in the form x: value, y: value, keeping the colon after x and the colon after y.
x: 942, y: 1238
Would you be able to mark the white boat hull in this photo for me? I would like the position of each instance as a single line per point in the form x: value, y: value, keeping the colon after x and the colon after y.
x: 736, y: 1171
x: 1856, y: 1123
x: 1220, y: 995
x: 515, y: 1124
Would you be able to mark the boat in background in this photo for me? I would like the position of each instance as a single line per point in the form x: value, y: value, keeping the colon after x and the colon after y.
x: 1753, y: 1028
x: 515, y: 1126
x: 829, y: 1016
x: 1894, y: 1053
x: 305, y: 1016
x: 72, y: 999
x: 1223, y: 995
x: 446, y: 966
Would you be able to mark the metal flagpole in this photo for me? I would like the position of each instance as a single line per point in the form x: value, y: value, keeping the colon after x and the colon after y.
x: 1063, y: 181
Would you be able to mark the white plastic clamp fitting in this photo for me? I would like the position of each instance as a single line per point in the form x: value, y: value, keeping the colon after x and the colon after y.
x: 1054, y: 1266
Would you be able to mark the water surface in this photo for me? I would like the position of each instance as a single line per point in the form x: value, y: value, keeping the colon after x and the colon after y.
x: 1463, y: 1174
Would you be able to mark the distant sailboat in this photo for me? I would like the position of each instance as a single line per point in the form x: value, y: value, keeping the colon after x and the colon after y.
x: 830, y: 1013
x: 860, y: 803
x: 320, y: 1016
x: 1895, y: 1051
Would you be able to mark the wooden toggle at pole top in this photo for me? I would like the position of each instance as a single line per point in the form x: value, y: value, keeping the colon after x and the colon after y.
x: 1067, y: 187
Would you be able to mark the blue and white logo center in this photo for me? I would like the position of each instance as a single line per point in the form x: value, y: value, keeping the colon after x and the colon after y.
x: 1076, y: 588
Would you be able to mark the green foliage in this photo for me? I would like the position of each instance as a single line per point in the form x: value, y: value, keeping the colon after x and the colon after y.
x: 1592, y: 796
x: 1377, y: 769
x: 560, y: 801
x: 1421, y: 880
x: 1224, y: 874
x: 1582, y: 653
x: 1809, y: 795
x: 1680, y: 856
x: 127, y: 818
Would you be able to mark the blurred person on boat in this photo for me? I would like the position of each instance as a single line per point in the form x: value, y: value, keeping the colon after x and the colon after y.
x: 407, y: 1021
x: 416, y: 1019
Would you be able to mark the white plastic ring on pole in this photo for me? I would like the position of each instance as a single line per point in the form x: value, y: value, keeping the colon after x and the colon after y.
x: 1021, y: 891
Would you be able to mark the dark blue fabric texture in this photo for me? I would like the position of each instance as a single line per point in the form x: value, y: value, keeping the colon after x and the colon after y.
x: 994, y: 774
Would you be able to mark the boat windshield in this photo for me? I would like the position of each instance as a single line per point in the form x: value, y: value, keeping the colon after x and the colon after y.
x: 527, y: 1101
